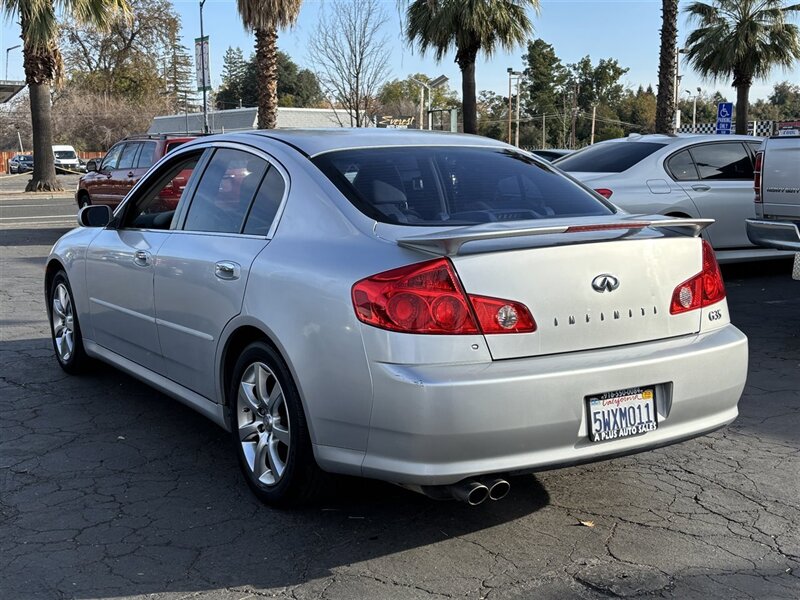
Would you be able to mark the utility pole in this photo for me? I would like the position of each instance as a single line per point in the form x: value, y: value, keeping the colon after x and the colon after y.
x: 509, y: 70
x: 516, y: 136
x: 203, y: 69
x: 7, y: 51
x: 594, y: 116
x: 511, y: 74
x: 544, y: 145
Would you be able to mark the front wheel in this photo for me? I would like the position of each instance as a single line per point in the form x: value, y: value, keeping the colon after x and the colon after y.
x: 65, y: 328
x: 269, y: 430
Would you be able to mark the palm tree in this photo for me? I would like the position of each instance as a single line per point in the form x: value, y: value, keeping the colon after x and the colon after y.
x: 743, y: 39
x: 665, y: 101
x: 469, y: 27
x: 265, y: 17
x: 43, y: 66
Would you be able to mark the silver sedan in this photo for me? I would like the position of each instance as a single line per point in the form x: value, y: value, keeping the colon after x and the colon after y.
x: 433, y: 310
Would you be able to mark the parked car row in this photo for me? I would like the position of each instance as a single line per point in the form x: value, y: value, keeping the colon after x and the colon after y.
x: 65, y: 158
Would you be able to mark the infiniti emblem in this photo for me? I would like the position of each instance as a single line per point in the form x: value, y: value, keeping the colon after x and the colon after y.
x: 605, y: 283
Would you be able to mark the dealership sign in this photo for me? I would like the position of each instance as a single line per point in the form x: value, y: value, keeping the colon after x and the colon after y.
x: 392, y: 122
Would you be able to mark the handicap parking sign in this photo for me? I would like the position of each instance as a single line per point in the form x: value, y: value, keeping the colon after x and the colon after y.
x: 724, y: 117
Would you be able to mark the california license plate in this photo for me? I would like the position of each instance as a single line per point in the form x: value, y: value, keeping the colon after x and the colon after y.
x: 621, y: 414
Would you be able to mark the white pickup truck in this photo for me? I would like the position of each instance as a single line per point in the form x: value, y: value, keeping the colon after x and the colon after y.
x: 777, y: 194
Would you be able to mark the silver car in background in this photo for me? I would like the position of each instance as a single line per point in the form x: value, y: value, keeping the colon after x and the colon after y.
x: 696, y: 176
x: 434, y: 310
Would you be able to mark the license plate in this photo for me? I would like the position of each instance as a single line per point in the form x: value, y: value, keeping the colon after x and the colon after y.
x: 621, y: 414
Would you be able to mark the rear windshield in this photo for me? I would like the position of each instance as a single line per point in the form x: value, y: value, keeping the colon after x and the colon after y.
x: 454, y: 186
x: 609, y: 157
x: 170, y: 146
x: 65, y: 154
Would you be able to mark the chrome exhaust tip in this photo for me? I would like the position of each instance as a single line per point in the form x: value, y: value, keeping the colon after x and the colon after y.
x: 470, y: 491
x: 498, y: 488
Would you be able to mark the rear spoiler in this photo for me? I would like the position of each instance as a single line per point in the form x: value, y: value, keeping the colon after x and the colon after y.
x: 449, y: 243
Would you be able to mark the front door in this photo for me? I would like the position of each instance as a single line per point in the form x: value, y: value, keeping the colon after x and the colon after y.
x: 203, y: 268
x: 120, y: 269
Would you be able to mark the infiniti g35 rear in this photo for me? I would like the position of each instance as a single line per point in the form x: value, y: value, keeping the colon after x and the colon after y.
x: 433, y: 310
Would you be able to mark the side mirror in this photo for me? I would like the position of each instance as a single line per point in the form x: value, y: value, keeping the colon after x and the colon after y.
x: 94, y: 216
x: 91, y: 166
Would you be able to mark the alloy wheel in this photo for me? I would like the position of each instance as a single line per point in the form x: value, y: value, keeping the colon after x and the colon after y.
x: 263, y: 422
x: 63, y: 323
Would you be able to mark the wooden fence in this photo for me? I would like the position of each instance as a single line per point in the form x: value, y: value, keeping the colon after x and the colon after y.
x: 7, y: 155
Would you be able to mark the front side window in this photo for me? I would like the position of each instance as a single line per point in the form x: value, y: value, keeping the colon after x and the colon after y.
x: 155, y: 206
x: 110, y: 161
x: 608, y: 157
x: 126, y: 159
x: 437, y: 186
x: 225, y: 192
x: 723, y: 161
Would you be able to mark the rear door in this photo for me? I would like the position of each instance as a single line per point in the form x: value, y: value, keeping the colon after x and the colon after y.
x: 723, y: 190
x: 203, y: 268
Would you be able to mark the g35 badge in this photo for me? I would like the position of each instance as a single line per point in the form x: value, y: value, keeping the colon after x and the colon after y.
x: 715, y: 315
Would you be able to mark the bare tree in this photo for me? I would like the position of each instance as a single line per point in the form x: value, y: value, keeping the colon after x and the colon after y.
x: 350, y: 56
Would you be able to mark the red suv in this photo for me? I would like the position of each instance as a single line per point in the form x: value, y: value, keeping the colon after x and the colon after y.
x: 107, y: 181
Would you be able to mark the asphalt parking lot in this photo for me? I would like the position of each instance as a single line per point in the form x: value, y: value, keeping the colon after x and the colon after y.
x: 110, y: 490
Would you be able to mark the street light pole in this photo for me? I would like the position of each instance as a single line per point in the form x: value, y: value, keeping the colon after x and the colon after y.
x: 7, y: 51
x: 694, y: 108
x: 203, y: 69
x: 512, y: 74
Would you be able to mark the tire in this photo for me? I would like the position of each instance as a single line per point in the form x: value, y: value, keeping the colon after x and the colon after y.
x: 265, y: 413
x: 65, y: 331
x: 84, y: 200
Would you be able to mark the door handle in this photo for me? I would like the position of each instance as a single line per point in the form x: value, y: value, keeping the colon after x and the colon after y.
x: 699, y: 187
x: 226, y: 269
x: 130, y: 173
x: 141, y: 258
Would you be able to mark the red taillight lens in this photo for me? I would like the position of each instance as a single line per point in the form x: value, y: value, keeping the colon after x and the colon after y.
x: 604, y: 192
x: 428, y: 298
x: 703, y: 289
x: 759, y: 167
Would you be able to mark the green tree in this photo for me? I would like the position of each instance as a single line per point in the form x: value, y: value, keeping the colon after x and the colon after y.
x: 240, y: 82
x: 178, y: 71
x: 132, y: 57
x: 469, y: 27
x: 265, y: 17
x: 742, y: 39
x: 43, y: 66
x: 401, y: 97
x: 665, y: 101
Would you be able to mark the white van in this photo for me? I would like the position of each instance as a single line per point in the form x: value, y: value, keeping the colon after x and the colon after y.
x: 66, y: 158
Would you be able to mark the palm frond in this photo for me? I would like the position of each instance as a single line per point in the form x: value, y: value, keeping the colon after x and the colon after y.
x: 268, y: 14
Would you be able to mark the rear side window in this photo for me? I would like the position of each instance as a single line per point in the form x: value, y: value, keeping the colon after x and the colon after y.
x: 225, y: 192
x: 608, y: 157
x: 723, y: 161
x: 147, y: 155
x: 170, y: 146
x: 454, y: 186
x: 266, y: 204
x: 682, y: 167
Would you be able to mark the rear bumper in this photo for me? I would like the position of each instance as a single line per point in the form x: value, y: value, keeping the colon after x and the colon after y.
x: 437, y: 424
x: 783, y: 235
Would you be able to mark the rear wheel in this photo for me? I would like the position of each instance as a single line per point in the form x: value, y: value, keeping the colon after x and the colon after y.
x: 65, y: 328
x: 269, y: 430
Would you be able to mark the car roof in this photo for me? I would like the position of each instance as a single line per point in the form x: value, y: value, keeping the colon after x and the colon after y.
x: 681, y: 138
x: 317, y: 141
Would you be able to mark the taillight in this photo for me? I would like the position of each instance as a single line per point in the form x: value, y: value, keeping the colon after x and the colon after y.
x: 604, y: 192
x: 703, y: 289
x: 759, y: 167
x: 428, y: 298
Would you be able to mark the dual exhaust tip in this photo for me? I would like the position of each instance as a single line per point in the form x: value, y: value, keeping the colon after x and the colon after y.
x: 474, y: 492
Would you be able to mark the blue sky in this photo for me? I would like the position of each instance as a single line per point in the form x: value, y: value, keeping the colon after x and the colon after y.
x: 627, y: 30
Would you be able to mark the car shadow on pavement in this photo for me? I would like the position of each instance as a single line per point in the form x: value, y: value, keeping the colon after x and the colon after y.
x: 107, y: 487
